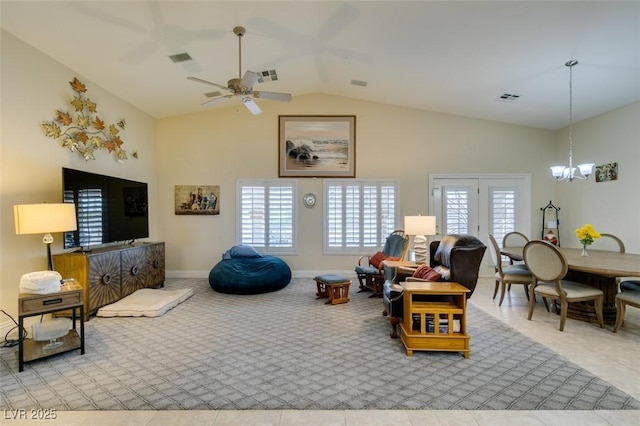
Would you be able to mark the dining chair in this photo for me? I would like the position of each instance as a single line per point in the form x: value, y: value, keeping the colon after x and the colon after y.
x: 630, y: 284
x: 613, y: 243
x: 609, y: 242
x: 623, y: 299
x: 514, y: 239
x: 549, y: 266
x: 512, y: 274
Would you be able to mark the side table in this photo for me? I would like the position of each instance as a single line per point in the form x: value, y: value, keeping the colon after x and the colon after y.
x: 68, y: 298
x: 434, y: 325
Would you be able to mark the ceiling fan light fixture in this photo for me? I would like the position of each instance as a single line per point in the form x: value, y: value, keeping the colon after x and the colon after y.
x: 569, y: 173
x: 251, y: 105
x: 242, y: 87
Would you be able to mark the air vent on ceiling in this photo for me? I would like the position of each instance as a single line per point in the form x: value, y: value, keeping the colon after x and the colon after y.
x: 213, y: 94
x: 508, y: 97
x: 180, y: 57
x: 359, y: 83
x: 269, y: 75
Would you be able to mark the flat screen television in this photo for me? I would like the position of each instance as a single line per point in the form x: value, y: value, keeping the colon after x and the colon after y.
x: 108, y: 209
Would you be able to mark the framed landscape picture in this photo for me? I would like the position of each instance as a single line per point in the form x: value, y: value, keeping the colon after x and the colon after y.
x: 197, y: 199
x: 317, y: 146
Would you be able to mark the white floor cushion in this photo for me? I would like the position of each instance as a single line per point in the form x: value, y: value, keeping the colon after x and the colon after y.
x: 145, y: 302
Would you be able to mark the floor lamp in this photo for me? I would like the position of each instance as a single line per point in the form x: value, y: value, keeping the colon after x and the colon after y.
x: 45, y: 219
x: 420, y: 227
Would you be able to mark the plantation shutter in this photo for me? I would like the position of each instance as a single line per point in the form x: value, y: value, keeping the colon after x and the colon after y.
x: 253, y: 216
x: 267, y: 213
x: 280, y: 202
x: 359, y: 215
x: 503, y: 212
x: 456, y: 220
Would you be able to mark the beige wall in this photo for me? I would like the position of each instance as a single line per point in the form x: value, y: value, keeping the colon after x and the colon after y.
x: 612, y: 207
x: 33, y: 87
x: 218, y: 146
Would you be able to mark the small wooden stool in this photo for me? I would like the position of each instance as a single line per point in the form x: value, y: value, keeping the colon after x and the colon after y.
x: 333, y: 286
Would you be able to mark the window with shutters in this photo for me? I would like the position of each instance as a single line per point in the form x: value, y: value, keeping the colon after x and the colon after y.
x: 359, y: 215
x: 267, y: 215
x: 503, y: 212
x: 456, y: 201
x: 481, y: 204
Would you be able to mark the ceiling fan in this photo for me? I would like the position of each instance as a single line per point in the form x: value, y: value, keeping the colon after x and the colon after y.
x: 243, y: 87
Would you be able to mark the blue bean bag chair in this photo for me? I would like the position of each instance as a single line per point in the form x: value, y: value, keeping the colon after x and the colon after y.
x: 244, y: 271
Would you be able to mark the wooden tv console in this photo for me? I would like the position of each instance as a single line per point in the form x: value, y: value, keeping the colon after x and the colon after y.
x: 110, y: 273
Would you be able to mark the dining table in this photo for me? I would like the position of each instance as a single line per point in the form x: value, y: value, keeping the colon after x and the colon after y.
x: 599, y: 269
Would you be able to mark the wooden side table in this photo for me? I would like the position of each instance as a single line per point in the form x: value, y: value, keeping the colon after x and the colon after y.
x: 435, y: 325
x: 69, y: 298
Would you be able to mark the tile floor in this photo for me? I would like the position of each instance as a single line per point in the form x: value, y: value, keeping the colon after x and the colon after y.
x: 612, y: 357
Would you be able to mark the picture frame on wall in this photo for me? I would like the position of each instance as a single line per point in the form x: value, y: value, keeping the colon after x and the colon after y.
x: 197, y: 199
x: 607, y: 172
x: 317, y: 146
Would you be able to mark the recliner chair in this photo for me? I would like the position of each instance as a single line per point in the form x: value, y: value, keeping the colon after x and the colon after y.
x: 458, y: 258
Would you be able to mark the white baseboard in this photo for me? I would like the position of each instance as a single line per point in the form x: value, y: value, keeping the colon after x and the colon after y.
x: 350, y: 274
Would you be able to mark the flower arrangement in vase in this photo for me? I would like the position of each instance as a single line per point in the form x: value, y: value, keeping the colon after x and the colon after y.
x: 586, y: 235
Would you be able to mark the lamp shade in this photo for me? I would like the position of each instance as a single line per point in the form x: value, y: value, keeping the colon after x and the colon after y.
x: 44, y: 218
x: 420, y: 225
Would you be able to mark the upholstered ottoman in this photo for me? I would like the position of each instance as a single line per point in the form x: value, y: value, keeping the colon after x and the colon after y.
x: 333, y: 286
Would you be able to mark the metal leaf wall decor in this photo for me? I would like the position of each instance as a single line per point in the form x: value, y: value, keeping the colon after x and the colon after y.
x: 83, y: 130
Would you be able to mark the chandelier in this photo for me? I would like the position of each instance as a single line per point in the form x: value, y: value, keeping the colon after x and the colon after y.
x: 569, y: 173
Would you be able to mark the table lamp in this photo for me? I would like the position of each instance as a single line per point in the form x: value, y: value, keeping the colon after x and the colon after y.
x: 420, y: 227
x: 44, y: 219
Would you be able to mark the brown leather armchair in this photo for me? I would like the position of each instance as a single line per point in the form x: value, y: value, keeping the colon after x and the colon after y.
x: 456, y: 257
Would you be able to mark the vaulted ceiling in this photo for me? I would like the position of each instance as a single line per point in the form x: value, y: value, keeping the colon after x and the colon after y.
x: 452, y: 57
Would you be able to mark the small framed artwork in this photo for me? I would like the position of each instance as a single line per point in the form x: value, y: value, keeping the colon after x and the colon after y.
x: 197, y: 200
x: 607, y: 172
x: 317, y: 146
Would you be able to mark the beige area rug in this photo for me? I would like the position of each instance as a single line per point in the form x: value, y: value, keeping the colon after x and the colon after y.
x: 146, y: 302
x: 288, y: 350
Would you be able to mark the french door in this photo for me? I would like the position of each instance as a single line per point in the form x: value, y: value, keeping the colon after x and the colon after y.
x: 481, y: 204
x: 455, y: 203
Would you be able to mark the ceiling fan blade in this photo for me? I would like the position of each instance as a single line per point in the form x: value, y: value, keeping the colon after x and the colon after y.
x: 216, y: 100
x: 251, y: 106
x: 250, y: 78
x: 274, y: 96
x: 199, y: 80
